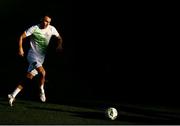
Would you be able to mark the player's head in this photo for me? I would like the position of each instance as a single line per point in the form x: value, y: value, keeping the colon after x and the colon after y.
x: 46, y: 20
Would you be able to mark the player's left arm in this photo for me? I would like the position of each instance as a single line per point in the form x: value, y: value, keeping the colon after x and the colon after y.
x: 59, y: 39
x: 59, y: 42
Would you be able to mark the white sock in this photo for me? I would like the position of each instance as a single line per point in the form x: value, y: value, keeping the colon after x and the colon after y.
x: 42, y: 88
x: 16, y: 91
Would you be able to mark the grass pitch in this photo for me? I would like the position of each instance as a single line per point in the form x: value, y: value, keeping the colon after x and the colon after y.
x: 34, y: 112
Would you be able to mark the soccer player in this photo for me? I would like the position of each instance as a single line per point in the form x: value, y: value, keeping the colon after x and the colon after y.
x: 40, y: 36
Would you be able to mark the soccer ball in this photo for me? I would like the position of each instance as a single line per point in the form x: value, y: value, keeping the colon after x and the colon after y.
x: 111, y: 113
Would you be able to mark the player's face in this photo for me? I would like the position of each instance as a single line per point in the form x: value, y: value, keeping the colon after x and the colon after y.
x: 46, y: 21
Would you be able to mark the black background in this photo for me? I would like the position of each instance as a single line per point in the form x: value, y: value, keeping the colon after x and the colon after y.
x: 111, y: 51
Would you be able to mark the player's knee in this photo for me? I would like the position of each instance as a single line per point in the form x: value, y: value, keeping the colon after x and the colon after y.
x: 29, y: 76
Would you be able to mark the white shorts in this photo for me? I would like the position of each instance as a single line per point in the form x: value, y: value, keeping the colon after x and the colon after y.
x: 35, y: 60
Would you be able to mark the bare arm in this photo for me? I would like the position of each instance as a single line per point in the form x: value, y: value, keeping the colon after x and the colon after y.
x: 21, y: 51
x: 60, y: 42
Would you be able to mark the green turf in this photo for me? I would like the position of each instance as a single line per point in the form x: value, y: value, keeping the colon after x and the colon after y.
x: 34, y: 112
x: 85, y: 112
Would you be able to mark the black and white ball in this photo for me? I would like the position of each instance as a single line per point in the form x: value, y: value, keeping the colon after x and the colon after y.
x: 111, y: 113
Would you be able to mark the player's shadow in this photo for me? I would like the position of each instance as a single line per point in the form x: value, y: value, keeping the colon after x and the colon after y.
x: 89, y: 115
x: 84, y: 114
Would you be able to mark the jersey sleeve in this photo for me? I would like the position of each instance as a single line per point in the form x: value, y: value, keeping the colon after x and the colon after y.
x: 55, y: 32
x: 30, y: 30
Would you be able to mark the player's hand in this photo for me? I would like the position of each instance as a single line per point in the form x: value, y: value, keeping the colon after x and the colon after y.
x: 21, y: 52
x: 59, y: 49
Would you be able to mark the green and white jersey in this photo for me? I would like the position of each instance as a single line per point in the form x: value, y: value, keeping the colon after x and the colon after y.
x: 40, y: 38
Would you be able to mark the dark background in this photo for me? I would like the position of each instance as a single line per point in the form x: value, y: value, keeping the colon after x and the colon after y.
x: 117, y: 52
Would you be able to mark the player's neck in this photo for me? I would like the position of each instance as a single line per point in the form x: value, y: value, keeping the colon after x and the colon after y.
x: 42, y: 26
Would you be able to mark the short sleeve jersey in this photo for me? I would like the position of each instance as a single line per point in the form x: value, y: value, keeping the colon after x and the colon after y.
x: 40, y: 38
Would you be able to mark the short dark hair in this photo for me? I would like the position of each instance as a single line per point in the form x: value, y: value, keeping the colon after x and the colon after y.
x: 49, y: 14
x: 44, y: 15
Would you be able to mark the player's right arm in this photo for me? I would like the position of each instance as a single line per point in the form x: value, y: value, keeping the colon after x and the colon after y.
x: 21, y: 51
